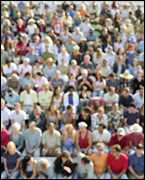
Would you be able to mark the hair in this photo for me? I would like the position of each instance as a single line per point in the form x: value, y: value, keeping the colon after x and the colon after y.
x: 86, y: 160
x: 117, y: 148
x: 139, y: 146
x: 24, y: 163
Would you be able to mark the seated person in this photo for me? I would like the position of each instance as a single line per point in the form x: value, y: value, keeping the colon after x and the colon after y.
x: 117, y: 163
x: 51, y: 141
x: 136, y: 163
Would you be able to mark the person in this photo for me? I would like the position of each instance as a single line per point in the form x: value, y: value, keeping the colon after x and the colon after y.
x: 139, y: 97
x: 98, y: 118
x: 17, y: 136
x: 32, y: 138
x: 27, y: 168
x: 86, y: 171
x: 51, y: 141
x: 117, y: 163
x: 136, y: 163
x: 5, y: 135
x: 68, y: 138
x: 99, y: 159
x: 63, y: 166
x: 11, y: 162
x: 83, y: 138
x: 18, y: 115
x: 101, y: 134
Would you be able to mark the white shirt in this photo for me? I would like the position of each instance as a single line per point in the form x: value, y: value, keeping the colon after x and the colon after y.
x: 95, y: 120
x: 139, y: 101
x: 24, y: 69
x: 3, y: 83
x: 111, y: 99
x: 63, y: 57
x: 8, y: 70
x: 105, y: 136
x: 5, y: 115
x: 19, y: 117
x: 31, y: 29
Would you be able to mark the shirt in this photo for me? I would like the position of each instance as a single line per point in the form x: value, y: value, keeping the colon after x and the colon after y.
x: 51, y: 140
x: 4, y: 137
x: 95, y: 121
x: 19, y: 117
x: 5, y: 115
x: 105, y: 136
x: 131, y: 117
x: 45, y: 98
x: 137, y: 163
x: 139, y: 100
x: 28, y: 99
x: 117, y: 165
x: 100, y: 162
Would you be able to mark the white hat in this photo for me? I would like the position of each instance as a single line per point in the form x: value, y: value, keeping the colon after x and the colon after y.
x: 121, y: 131
x: 83, y: 124
x: 136, y: 128
x: 31, y: 20
x: 26, y: 59
x: 126, y: 75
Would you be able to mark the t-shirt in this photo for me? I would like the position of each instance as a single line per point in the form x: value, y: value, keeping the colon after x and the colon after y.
x: 100, y: 162
x: 4, y: 137
x: 117, y: 165
x: 11, y: 160
x: 131, y: 117
x: 137, y: 163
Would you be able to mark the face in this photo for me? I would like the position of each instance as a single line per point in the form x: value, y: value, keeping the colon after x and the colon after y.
x: 32, y: 125
x: 18, y: 107
x: 11, y: 148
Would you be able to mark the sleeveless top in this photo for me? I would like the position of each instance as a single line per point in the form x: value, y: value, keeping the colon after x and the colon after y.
x: 83, y: 141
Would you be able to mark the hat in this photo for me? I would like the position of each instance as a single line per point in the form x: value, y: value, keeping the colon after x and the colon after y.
x: 26, y: 59
x: 136, y: 128
x: 126, y: 75
x: 121, y: 131
x: 83, y: 124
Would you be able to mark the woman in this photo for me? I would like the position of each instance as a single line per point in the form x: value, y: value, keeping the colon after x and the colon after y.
x: 83, y: 138
x: 68, y: 138
x: 99, y: 85
x: 63, y: 166
x: 53, y: 115
x: 16, y: 136
x: 11, y: 162
x: 28, y: 168
x: 57, y: 98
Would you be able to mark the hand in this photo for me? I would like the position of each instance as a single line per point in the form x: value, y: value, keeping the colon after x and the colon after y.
x: 114, y: 177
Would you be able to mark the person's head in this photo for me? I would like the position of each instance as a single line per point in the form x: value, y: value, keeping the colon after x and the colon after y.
x: 69, y: 109
x: 83, y: 126
x: 58, y: 74
x: 85, y: 160
x: 87, y: 59
x: 116, y: 150
x: 32, y: 125
x: 115, y: 107
x: 120, y: 133
x: 139, y: 149
x: 11, y: 148
x: 100, y: 147
x: 65, y: 156
x: 101, y: 128
x: 84, y: 73
x: 18, y: 107
x: 43, y: 165
x: 25, y: 161
x: 73, y: 62
x: 46, y: 86
x: 36, y: 38
x: 141, y: 91
x: 28, y: 88
x: 15, y: 127
x: 126, y: 92
x: 111, y: 90
x: 132, y: 107
x: 50, y: 61
x: 26, y: 61
x: 2, y: 103
x: 50, y: 128
x: 101, y: 110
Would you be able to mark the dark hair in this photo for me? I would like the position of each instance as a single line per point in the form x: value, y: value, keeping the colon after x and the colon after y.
x: 86, y: 160
x: 117, y: 147
x: 132, y: 105
x: 140, y: 146
x: 102, y: 125
x: 24, y: 163
x: 69, y: 107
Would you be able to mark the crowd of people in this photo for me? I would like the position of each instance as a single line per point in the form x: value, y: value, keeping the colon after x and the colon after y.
x: 72, y: 90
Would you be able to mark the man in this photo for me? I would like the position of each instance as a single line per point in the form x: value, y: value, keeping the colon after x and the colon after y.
x: 117, y: 163
x: 28, y: 98
x: 45, y: 96
x: 111, y: 97
x: 11, y: 98
x: 32, y: 138
x: 136, y: 163
x: 71, y: 98
x: 101, y: 134
x: 51, y: 141
x: 119, y: 138
x: 139, y: 98
x: 69, y: 116
x: 99, y: 159
x: 5, y: 114
x: 18, y: 115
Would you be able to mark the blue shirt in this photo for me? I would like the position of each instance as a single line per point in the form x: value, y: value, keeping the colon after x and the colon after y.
x: 137, y: 163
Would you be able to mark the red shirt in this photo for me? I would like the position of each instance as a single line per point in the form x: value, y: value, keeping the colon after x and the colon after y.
x: 124, y: 142
x: 83, y: 141
x: 135, y: 138
x: 4, y: 137
x: 117, y: 165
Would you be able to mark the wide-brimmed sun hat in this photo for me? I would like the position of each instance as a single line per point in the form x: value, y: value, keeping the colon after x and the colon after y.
x: 127, y: 75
